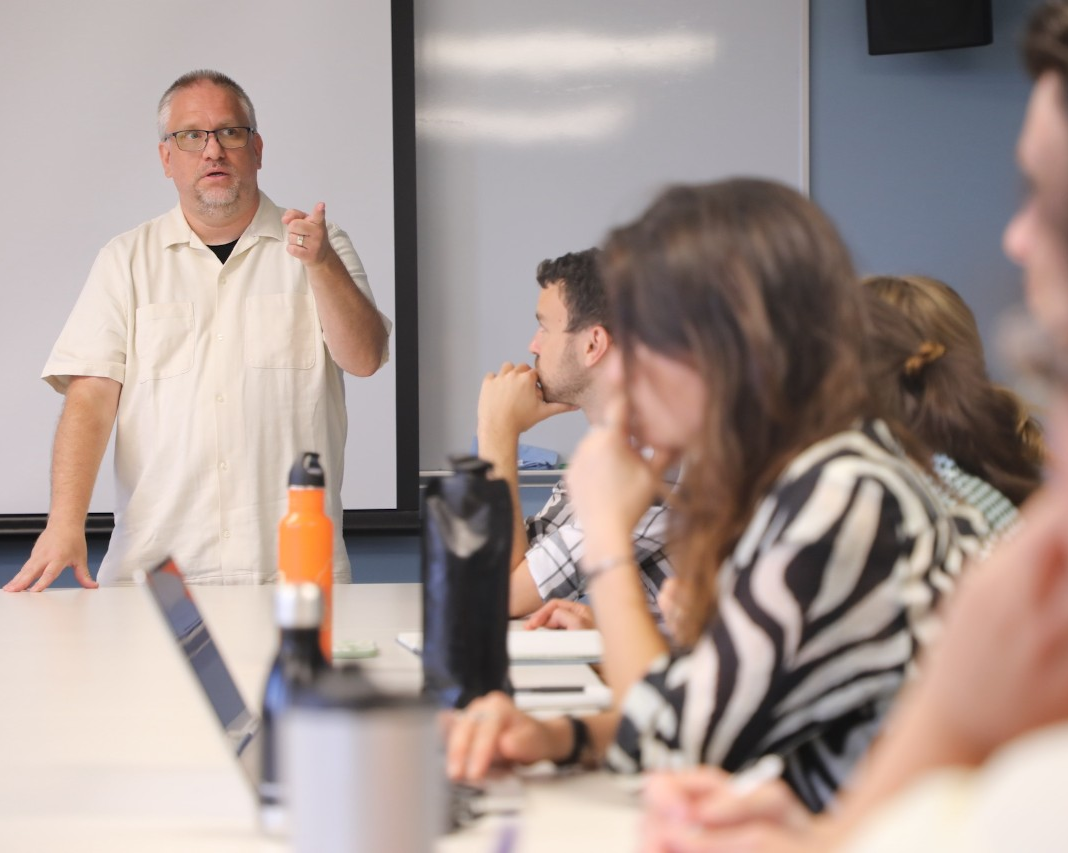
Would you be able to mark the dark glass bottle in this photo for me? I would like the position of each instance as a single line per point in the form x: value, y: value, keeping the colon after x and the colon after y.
x: 299, y: 662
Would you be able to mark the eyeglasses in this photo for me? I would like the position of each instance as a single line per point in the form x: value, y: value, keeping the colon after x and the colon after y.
x: 197, y: 140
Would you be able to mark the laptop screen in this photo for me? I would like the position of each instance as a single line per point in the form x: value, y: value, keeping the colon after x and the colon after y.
x: 186, y: 625
x: 242, y: 727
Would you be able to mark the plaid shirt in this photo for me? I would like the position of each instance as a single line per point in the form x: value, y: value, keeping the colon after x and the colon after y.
x: 557, y: 543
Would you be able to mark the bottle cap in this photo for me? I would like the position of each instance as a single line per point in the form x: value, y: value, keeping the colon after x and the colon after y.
x: 298, y: 605
x: 467, y: 464
x: 307, y: 471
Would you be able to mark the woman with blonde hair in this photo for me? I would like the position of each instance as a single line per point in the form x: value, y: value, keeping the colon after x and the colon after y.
x: 810, y: 554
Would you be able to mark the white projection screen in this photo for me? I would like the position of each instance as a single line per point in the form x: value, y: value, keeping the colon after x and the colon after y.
x: 332, y: 82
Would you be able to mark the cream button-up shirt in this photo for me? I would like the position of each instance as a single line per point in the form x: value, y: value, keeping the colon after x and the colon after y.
x: 226, y: 379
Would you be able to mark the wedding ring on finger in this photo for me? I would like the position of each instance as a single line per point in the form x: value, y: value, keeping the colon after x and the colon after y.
x: 300, y: 240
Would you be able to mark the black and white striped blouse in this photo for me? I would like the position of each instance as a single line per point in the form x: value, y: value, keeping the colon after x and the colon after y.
x: 821, y: 610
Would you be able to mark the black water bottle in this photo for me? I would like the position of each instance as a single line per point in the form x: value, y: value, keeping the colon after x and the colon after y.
x: 299, y: 614
x: 466, y: 562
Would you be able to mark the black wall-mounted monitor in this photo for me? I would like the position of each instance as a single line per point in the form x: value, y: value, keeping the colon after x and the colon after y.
x: 910, y: 26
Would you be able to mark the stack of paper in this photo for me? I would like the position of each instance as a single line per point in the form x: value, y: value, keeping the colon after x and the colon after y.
x: 536, y: 647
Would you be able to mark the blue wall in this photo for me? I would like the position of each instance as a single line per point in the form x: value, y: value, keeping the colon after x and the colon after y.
x: 912, y: 154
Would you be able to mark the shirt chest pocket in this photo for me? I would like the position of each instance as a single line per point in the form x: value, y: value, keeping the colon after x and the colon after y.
x: 281, y: 331
x: 164, y: 340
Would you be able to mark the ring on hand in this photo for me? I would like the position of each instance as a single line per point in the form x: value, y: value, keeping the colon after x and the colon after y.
x: 300, y: 239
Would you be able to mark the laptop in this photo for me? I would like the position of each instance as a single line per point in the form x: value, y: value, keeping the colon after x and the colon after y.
x: 241, y: 726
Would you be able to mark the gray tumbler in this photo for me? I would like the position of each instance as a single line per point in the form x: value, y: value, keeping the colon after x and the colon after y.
x: 364, y: 770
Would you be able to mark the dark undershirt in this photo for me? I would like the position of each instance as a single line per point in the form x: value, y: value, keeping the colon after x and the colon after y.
x: 223, y: 251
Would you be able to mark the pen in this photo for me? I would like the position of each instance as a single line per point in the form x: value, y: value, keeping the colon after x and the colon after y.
x: 577, y: 689
x: 761, y: 771
x: 506, y: 837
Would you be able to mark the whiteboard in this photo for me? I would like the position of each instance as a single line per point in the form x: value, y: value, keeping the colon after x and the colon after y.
x: 540, y: 125
x: 79, y: 165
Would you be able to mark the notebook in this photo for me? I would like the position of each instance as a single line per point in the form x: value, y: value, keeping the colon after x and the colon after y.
x: 536, y: 647
x: 185, y: 623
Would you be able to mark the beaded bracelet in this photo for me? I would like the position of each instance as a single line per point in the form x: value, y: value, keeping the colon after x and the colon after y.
x: 605, y: 565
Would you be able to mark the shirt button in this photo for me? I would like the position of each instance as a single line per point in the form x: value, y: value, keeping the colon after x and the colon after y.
x: 219, y: 398
x: 222, y: 279
x: 218, y: 337
x: 224, y: 466
x: 226, y: 534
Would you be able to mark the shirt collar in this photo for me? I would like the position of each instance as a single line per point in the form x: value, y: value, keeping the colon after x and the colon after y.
x: 267, y: 223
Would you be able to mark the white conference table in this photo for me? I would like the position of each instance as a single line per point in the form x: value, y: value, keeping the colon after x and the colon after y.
x: 106, y: 743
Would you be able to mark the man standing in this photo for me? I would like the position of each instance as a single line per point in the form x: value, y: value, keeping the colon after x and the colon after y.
x: 569, y: 350
x: 213, y: 339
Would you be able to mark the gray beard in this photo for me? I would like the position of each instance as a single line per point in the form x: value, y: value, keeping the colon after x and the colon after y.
x: 215, y: 203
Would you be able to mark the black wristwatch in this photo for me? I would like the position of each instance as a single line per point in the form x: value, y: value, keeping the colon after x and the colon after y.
x: 580, y: 739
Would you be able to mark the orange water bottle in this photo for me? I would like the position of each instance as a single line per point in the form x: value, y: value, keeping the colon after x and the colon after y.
x: 306, y: 540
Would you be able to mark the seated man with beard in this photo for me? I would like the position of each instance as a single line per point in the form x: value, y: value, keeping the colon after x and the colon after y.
x: 569, y: 350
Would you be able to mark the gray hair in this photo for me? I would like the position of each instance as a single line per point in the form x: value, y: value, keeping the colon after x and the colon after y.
x: 203, y: 75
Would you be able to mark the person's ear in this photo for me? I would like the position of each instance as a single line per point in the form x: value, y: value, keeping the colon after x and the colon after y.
x: 597, y: 344
x: 165, y: 158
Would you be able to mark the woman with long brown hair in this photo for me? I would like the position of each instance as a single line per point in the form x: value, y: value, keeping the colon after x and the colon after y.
x: 927, y: 368
x: 809, y: 553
